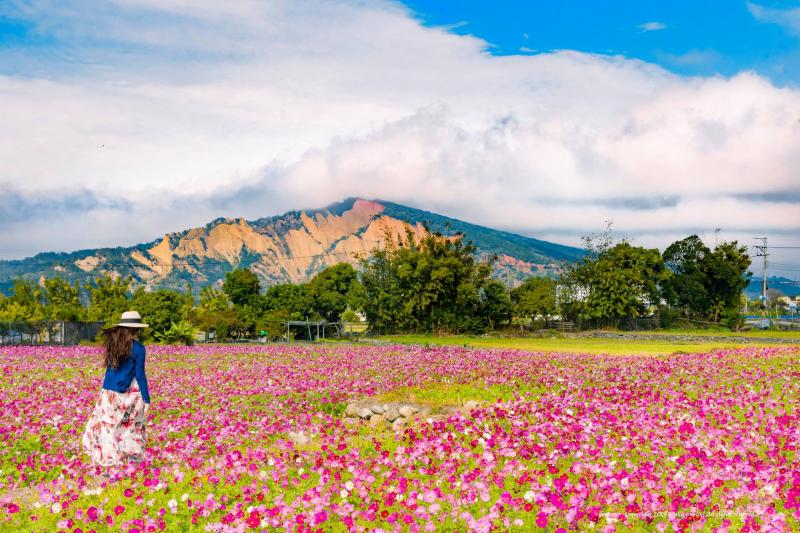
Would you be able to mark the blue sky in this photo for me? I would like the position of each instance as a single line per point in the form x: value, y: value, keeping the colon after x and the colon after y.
x: 687, y: 37
x: 124, y: 120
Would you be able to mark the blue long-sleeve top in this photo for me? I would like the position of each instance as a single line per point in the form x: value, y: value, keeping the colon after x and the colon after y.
x: 120, y: 379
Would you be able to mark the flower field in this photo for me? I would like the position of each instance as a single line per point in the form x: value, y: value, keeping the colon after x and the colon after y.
x: 560, y: 442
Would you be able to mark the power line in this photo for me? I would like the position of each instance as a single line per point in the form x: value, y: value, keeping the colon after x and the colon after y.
x: 762, y: 252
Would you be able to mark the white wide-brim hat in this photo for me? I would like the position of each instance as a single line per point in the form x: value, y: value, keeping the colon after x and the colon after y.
x: 131, y: 319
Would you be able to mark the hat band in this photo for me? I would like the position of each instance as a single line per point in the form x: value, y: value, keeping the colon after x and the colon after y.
x: 131, y: 321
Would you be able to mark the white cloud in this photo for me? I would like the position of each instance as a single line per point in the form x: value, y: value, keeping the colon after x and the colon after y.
x: 789, y: 18
x: 652, y: 26
x: 259, y: 108
x: 692, y: 58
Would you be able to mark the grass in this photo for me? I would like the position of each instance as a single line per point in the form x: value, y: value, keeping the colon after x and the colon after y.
x: 756, y: 333
x: 569, y: 345
x: 438, y: 395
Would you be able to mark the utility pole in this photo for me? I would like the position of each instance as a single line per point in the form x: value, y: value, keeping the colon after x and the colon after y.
x: 762, y: 252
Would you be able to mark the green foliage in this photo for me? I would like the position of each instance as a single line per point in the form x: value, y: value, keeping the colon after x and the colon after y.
x: 333, y: 290
x: 213, y: 300
x: 25, y: 303
x: 250, y: 320
x: 161, y: 308
x: 62, y: 300
x: 12, y: 311
x: 336, y: 409
x: 295, y: 300
x: 432, y: 285
x: 274, y: 323
x: 688, y: 286
x: 535, y: 298
x: 707, y: 284
x: 495, y: 306
x: 181, y: 333
x: 216, y: 314
x: 727, y: 271
x: 350, y: 316
x: 108, y: 298
x: 614, y: 285
x: 242, y: 287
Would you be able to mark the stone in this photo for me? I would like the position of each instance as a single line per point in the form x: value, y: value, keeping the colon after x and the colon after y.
x: 377, y: 409
x: 408, y: 411
x: 364, y: 412
x: 470, y: 405
x: 399, y: 423
x: 351, y: 409
x: 376, y: 420
x: 391, y: 414
x: 299, y: 438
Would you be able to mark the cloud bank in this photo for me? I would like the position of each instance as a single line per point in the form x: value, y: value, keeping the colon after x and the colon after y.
x: 152, y: 116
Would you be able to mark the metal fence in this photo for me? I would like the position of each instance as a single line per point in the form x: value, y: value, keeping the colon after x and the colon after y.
x: 53, y: 332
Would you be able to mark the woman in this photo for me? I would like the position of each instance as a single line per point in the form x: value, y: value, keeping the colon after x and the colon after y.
x: 115, y: 434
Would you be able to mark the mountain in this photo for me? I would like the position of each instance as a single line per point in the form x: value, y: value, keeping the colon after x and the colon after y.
x: 290, y: 247
x: 787, y: 286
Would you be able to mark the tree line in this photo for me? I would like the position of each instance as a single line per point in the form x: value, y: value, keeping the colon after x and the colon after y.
x: 433, y: 284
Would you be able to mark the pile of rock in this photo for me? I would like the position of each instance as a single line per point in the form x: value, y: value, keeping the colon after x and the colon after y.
x: 396, y: 414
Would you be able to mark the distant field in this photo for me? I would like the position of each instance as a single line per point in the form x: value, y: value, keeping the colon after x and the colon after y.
x: 768, y: 334
x: 572, y: 345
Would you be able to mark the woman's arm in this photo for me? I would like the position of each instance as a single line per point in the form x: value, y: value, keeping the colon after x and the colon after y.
x: 141, y: 377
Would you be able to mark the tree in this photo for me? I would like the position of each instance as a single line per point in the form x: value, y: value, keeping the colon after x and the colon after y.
x: 535, y: 298
x: 161, y: 308
x: 62, y: 300
x: 617, y: 284
x: 222, y: 323
x: 213, y: 300
x: 216, y: 314
x: 431, y: 285
x: 688, y: 286
x: 727, y: 271
x: 774, y: 299
x: 707, y: 284
x: 242, y: 287
x: 24, y: 304
x: 495, y: 304
x: 295, y: 300
x: 108, y: 298
x: 333, y: 290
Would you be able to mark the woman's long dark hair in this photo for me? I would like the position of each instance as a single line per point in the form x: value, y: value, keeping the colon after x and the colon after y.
x: 117, y: 344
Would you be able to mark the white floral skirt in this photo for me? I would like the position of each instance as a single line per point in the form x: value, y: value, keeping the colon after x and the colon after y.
x: 116, y: 431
